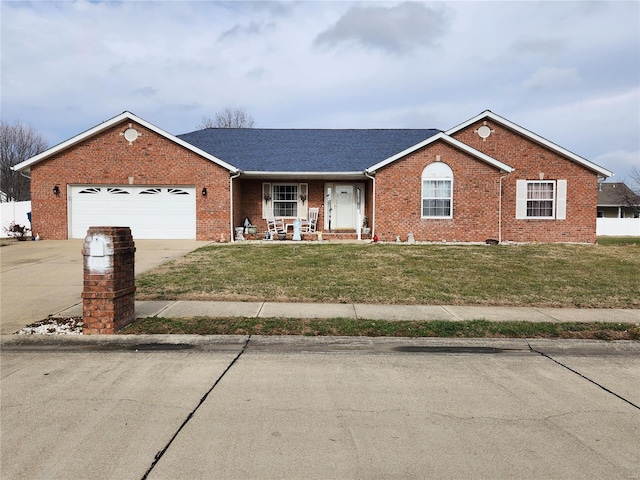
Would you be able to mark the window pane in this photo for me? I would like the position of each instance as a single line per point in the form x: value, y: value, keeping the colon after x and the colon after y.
x: 445, y: 188
x: 428, y: 189
x: 285, y: 200
x: 285, y: 209
x: 436, y: 200
x: 285, y: 192
x: 540, y: 191
x: 539, y: 208
x: 436, y: 208
x: 540, y: 199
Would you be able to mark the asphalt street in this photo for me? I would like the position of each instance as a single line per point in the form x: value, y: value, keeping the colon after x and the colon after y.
x: 193, y: 407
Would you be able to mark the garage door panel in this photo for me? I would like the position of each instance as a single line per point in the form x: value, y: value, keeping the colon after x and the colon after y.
x: 150, y: 212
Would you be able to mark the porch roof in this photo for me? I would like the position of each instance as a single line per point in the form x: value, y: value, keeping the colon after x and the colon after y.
x: 304, y: 150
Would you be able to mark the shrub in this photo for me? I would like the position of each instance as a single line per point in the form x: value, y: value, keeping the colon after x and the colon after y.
x: 16, y: 230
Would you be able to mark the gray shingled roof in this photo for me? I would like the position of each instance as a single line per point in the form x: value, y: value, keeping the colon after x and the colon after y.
x: 616, y: 194
x: 301, y: 150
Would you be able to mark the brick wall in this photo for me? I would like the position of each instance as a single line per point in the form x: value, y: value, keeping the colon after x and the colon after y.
x: 475, y: 198
x: 530, y: 160
x: 108, y: 159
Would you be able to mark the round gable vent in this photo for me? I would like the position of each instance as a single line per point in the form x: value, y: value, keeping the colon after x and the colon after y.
x: 484, y: 132
x: 130, y: 135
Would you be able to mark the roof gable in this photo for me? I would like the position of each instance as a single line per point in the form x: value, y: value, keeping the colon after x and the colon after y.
x: 451, y: 141
x: 616, y: 194
x: 488, y: 114
x: 305, y: 150
x: 26, y: 165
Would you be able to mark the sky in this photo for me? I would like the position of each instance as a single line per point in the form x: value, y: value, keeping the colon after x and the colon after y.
x: 568, y: 71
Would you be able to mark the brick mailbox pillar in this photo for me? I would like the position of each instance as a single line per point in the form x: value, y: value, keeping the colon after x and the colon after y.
x: 108, y: 296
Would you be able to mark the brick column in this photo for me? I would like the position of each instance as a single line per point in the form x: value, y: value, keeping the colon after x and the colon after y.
x: 108, y: 296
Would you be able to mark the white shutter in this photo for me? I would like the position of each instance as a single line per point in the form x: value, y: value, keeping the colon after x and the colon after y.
x: 303, y: 207
x: 561, y: 200
x: 267, y: 205
x: 521, y: 199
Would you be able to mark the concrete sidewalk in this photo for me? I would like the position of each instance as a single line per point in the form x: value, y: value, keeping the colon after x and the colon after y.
x: 185, y: 309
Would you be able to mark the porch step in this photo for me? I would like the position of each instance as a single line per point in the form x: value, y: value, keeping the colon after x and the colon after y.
x: 343, y: 235
x: 313, y: 237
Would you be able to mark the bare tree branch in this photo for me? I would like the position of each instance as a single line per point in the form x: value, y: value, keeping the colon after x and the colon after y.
x: 626, y: 196
x: 635, y: 178
x: 228, y: 118
x: 18, y: 142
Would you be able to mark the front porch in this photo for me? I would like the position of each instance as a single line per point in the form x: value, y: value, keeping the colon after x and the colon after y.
x: 327, y: 236
x: 342, y: 205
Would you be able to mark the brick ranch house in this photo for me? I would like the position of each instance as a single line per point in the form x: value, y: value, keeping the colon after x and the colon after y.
x: 486, y: 178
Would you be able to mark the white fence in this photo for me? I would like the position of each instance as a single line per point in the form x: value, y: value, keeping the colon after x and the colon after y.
x: 618, y: 227
x: 14, y: 212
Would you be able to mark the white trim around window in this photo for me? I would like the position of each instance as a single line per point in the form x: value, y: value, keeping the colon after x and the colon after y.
x: 437, y: 191
x: 285, y: 200
x: 541, y: 199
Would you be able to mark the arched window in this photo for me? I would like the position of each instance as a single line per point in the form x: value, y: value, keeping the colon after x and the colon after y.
x: 437, y: 191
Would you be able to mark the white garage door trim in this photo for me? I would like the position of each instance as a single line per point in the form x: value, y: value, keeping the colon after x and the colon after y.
x: 167, y: 212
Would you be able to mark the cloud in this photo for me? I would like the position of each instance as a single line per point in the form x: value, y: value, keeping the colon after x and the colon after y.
x: 398, y: 29
x: 145, y: 91
x: 539, y: 46
x: 253, y: 28
x: 552, y: 78
x: 257, y: 73
x: 620, y: 162
x: 568, y: 71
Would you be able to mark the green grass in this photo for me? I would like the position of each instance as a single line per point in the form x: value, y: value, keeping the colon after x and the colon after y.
x: 619, y: 241
x: 373, y: 328
x: 541, y: 275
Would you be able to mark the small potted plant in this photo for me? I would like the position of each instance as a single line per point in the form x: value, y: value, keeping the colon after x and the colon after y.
x: 17, y: 231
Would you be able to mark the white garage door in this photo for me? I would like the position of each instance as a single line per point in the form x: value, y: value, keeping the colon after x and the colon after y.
x: 150, y: 212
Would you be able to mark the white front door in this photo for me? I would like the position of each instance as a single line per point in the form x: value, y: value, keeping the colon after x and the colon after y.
x: 344, y: 207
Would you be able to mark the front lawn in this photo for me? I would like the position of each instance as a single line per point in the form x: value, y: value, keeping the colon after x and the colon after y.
x: 374, y: 328
x: 541, y: 275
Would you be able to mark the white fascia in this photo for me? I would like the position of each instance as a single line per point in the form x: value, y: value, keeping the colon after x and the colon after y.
x: 26, y: 165
x: 488, y: 114
x: 451, y: 141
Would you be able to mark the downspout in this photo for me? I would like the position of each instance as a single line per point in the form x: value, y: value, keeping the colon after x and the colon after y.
x: 373, y: 203
x: 231, y: 230
x: 500, y: 209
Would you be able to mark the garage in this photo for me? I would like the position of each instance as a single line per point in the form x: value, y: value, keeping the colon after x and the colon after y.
x: 150, y: 211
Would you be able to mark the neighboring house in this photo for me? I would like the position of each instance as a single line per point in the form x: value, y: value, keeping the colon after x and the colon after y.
x: 487, y: 178
x: 617, y: 200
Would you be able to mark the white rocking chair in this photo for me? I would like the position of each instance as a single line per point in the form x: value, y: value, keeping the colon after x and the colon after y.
x: 309, y: 225
x: 275, y: 226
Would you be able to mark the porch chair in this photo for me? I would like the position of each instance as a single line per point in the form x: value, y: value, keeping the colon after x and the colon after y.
x: 275, y: 226
x: 309, y: 225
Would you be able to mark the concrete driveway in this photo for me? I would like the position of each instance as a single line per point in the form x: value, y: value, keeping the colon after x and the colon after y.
x: 43, y: 278
x: 193, y: 407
